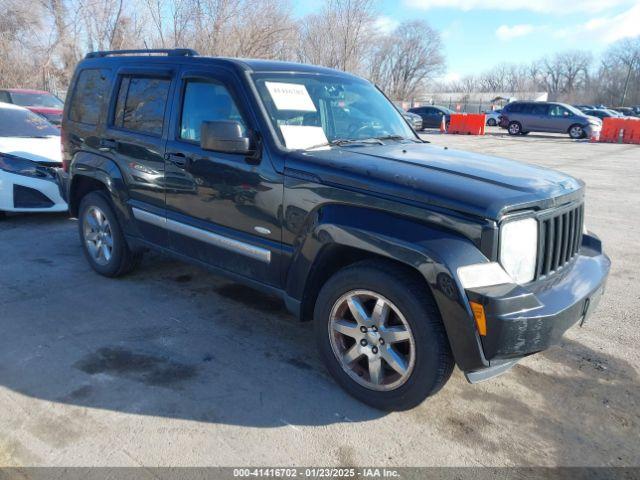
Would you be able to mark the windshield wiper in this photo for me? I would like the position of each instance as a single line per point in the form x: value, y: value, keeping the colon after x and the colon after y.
x: 397, y: 137
x: 347, y: 141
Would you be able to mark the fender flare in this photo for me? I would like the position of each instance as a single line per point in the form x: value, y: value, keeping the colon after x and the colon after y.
x: 434, y: 252
x: 107, y: 172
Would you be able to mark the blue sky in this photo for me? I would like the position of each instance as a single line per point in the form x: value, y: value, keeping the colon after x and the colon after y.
x: 481, y: 33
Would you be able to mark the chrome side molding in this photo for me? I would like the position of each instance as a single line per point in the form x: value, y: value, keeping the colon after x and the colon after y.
x: 215, y: 239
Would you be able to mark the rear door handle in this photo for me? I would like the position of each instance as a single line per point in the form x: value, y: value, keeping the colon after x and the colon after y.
x: 178, y: 159
x: 107, y: 144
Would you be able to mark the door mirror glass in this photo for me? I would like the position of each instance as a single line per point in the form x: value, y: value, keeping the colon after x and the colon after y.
x: 226, y: 136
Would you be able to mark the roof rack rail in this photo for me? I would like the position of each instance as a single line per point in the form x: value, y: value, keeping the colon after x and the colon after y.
x: 171, y: 52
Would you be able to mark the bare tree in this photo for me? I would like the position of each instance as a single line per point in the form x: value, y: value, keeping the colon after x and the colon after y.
x: 339, y: 36
x: 563, y: 74
x: 171, y: 20
x: 406, y: 59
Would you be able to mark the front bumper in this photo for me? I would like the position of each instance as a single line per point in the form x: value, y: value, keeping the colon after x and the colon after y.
x: 20, y: 193
x: 522, y: 320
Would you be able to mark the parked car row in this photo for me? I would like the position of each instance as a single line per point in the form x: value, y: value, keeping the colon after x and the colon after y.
x: 43, y: 103
x: 602, y: 111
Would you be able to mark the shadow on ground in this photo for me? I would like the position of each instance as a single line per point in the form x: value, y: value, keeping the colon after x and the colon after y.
x: 168, y: 340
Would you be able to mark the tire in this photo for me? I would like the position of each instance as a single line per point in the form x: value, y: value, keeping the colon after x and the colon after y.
x: 515, y: 128
x: 98, y: 227
x: 492, y: 122
x: 576, y: 132
x: 425, y: 352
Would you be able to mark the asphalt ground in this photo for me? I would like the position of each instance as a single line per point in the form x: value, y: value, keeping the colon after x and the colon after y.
x: 174, y: 366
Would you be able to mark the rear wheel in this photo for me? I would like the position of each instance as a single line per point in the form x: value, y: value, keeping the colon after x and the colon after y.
x: 104, y: 244
x: 381, y: 336
x: 492, y: 122
x: 515, y: 128
x: 576, y: 132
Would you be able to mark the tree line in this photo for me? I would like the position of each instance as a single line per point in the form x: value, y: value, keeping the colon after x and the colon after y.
x: 44, y: 39
x: 572, y: 76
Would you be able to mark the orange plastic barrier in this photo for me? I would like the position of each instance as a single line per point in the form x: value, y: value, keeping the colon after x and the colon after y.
x: 620, y: 130
x: 467, y: 124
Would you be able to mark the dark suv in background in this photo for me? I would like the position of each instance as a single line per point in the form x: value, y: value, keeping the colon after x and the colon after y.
x: 307, y: 183
x: 520, y: 118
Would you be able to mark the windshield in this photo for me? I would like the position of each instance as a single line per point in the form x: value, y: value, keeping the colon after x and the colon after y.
x: 44, y: 99
x: 314, y: 110
x: 573, y: 110
x: 15, y: 122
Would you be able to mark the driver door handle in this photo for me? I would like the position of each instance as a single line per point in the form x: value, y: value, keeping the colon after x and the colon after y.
x: 107, y: 144
x: 180, y: 160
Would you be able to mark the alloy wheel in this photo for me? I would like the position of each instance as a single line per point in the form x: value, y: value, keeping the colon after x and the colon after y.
x: 576, y: 132
x: 98, y: 235
x: 372, y: 340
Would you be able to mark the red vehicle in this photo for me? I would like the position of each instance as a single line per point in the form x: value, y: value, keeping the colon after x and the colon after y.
x: 38, y: 101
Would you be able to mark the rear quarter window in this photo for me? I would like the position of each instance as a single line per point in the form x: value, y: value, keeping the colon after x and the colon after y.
x: 88, y: 98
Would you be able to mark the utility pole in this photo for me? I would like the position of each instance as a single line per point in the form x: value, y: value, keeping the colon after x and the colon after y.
x: 626, y: 83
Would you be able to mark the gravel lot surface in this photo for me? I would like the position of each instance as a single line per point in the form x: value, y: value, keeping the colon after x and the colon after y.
x: 174, y: 366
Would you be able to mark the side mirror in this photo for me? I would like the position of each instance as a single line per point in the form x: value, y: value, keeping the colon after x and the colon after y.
x: 224, y: 136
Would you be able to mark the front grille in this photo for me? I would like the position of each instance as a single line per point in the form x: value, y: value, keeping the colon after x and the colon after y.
x: 559, y: 239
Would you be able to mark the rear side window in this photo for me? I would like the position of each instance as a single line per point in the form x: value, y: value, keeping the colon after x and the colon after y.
x: 141, y: 104
x: 91, y: 89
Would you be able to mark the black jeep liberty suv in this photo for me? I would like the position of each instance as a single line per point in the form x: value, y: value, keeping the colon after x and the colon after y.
x: 308, y: 183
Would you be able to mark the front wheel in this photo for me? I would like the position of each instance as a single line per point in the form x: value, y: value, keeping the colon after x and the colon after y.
x: 381, y: 337
x: 492, y: 122
x: 104, y: 244
x: 576, y: 132
x: 515, y: 128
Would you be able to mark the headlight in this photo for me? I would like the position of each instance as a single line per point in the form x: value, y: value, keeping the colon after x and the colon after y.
x: 28, y: 168
x: 519, y: 249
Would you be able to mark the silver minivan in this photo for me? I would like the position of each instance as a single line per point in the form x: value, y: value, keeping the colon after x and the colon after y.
x: 520, y: 118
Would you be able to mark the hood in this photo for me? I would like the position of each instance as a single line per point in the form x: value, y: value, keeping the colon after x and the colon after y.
x: 478, y: 185
x: 46, y: 149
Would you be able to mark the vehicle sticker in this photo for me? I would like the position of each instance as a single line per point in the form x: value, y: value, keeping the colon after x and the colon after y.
x: 299, y: 136
x: 290, y: 96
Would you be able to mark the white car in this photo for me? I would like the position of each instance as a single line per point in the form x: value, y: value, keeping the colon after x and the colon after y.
x: 492, y: 117
x: 29, y: 161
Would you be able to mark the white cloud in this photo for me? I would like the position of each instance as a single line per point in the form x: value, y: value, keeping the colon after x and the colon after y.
x: 451, y: 77
x: 386, y: 24
x: 506, y: 32
x: 540, y: 6
x: 606, y: 29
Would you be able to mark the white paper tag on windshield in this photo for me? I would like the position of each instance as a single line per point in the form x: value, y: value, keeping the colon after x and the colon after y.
x: 290, y: 96
x: 301, y: 137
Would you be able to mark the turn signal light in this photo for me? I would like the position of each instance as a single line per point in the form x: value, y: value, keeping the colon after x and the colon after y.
x: 481, y: 319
